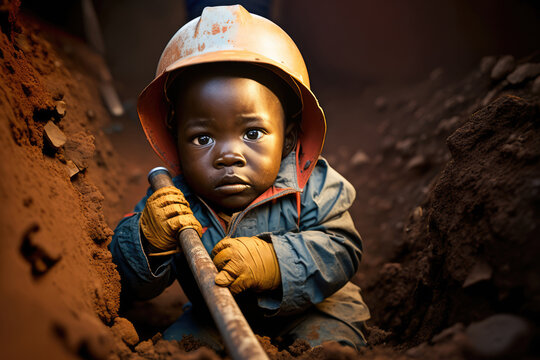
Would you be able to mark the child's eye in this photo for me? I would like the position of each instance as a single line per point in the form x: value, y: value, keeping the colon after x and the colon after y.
x: 202, y: 140
x: 253, y: 134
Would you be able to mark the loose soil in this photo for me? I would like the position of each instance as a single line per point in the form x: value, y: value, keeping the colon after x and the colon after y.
x: 448, y: 201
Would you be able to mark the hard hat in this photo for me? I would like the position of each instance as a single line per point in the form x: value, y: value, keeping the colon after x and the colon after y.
x: 231, y: 34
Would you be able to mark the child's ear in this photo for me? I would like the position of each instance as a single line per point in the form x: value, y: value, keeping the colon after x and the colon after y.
x: 291, y: 137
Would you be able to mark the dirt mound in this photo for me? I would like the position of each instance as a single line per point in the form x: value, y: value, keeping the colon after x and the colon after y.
x: 471, y: 248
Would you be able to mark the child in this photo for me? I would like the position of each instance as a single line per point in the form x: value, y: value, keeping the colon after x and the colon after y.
x: 231, y: 113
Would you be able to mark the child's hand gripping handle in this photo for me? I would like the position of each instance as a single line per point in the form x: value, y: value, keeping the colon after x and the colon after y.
x: 238, y: 337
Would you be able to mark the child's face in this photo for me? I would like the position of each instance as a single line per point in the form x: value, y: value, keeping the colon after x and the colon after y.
x: 231, y: 134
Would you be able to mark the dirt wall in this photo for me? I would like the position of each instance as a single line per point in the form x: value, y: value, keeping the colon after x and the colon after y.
x: 58, y: 284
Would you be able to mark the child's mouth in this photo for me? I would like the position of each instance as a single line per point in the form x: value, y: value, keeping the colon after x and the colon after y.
x: 231, y: 185
x: 231, y: 189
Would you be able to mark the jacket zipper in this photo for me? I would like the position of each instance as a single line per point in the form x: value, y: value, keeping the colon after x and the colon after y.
x: 235, y: 220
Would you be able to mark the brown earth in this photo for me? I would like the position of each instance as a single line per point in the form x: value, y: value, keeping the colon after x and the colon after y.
x: 448, y: 179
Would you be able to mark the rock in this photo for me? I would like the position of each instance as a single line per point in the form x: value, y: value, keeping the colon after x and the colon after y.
x: 536, y: 85
x: 487, y: 63
x: 503, y: 67
x: 501, y: 336
x: 418, y: 162
x: 71, y: 168
x: 145, y: 348
x: 359, y: 158
x: 124, y: 329
x: 448, y: 124
x: 54, y: 136
x: 405, y: 145
x: 448, y: 333
x: 523, y: 72
x: 417, y: 214
x: 454, y: 101
x: 381, y: 103
x: 90, y: 114
x: 480, y: 272
x: 61, y: 108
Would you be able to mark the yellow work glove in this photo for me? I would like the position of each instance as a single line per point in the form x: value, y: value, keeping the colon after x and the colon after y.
x: 246, y: 263
x: 165, y: 214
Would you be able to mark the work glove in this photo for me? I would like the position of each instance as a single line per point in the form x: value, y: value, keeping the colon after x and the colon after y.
x: 246, y: 263
x: 165, y: 214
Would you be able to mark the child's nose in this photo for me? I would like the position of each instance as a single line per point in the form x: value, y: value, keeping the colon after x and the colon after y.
x: 229, y: 157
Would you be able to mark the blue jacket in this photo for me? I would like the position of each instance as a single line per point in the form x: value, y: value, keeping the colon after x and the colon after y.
x: 316, y: 243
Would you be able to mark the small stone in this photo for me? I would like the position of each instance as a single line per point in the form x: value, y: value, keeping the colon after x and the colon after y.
x: 417, y: 163
x: 480, y: 272
x: 124, y: 329
x: 381, y: 103
x: 22, y: 42
x: 448, y: 124
x: 487, y: 63
x: 536, y: 85
x: 145, y: 347
x: 359, y: 158
x: 71, y: 168
x: 499, y: 336
x: 54, y: 135
x: 61, y: 108
x: 524, y: 71
x: 418, y: 212
x: 90, y: 114
x: 454, y: 101
x: 503, y: 67
x: 405, y: 145
x: 158, y: 336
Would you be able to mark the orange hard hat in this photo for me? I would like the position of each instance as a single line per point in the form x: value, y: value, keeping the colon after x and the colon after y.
x: 232, y: 34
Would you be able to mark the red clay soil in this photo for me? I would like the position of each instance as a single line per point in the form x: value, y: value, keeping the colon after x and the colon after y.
x: 448, y: 201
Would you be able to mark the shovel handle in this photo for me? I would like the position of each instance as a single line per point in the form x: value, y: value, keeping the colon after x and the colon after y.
x: 238, y: 337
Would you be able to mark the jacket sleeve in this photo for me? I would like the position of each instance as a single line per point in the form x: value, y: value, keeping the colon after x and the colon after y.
x: 325, y: 252
x: 139, y: 281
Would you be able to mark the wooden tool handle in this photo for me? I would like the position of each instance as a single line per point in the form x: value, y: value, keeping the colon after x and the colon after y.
x: 238, y: 337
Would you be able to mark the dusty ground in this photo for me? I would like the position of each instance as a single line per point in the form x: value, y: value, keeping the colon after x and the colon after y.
x: 448, y: 179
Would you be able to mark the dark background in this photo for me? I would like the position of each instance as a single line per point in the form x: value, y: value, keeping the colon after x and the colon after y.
x: 346, y: 44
